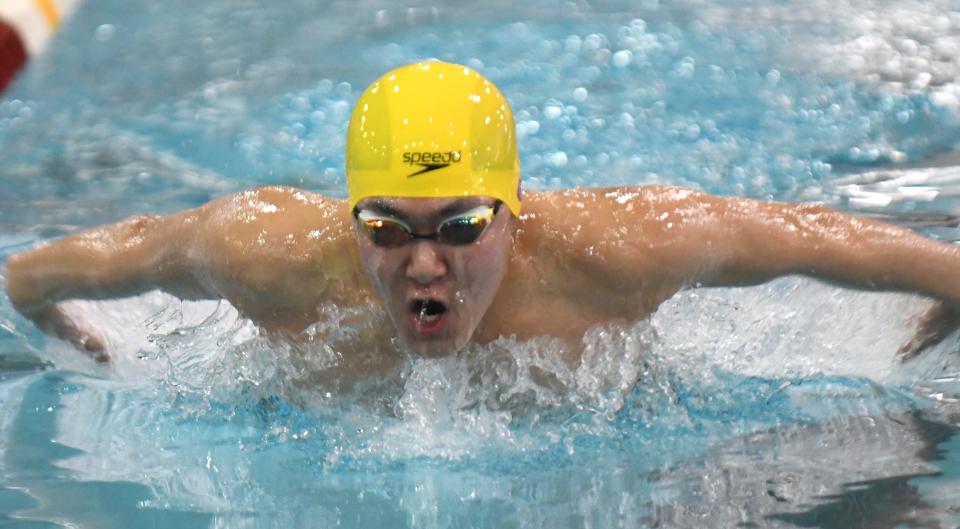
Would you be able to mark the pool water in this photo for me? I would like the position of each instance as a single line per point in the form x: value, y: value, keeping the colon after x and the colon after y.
x: 781, y: 405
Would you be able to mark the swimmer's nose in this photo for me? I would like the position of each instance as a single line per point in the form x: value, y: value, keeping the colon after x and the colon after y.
x: 426, y: 264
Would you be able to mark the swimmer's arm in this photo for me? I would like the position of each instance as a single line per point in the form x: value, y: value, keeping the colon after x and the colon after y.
x: 767, y: 240
x: 756, y: 241
x: 124, y: 259
x: 648, y: 236
x: 130, y: 257
x: 645, y: 243
x: 273, y: 252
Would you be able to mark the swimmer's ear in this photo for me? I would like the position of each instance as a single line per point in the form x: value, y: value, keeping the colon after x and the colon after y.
x: 932, y: 327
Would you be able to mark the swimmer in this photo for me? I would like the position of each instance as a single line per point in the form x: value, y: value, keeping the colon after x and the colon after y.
x: 436, y: 234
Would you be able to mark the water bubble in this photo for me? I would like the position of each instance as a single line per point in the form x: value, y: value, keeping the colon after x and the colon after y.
x: 557, y: 159
x: 572, y: 44
x: 210, y: 92
x: 685, y: 67
x: 580, y: 94
x: 104, y: 32
x: 412, y: 15
x: 518, y: 28
x: 301, y: 104
x: 528, y: 128
x: 601, y: 56
x: 922, y: 80
x: 622, y: 58
x: 545, y: 48
x: 716, y: 72
x: 593, y: 42
x: 344, y: 88
x: 340, y: 108
x: 282, y: 138
x: 945, y: 99
x: 552, y: 111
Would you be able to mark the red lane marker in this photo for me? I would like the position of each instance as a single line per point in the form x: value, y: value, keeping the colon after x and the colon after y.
x: 12, y: 54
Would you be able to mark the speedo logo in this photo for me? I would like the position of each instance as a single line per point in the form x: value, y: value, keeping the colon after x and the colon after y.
x: 431, y: 161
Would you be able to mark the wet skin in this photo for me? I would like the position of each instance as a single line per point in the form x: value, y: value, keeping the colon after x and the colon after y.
x: 572, y: 260
x: 461, y: 280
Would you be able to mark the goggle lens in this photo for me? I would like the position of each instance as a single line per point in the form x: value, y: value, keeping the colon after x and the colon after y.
x: 386, y: 233
x: 460, y: 230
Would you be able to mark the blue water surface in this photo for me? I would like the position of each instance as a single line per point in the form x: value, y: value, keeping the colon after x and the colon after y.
x: 777, y: 406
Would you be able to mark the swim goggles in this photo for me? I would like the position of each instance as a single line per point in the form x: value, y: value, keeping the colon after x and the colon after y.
x: 459, y: 230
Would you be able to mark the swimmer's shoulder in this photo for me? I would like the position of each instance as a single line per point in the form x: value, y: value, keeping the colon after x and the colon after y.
x: 279, y: 242
x: 622, y: 232
x: 278, y: 219
x: 587, y: 208
x: 275, y: 205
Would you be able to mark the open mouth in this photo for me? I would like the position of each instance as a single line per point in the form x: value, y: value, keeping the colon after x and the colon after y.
x: 427, y: 315
x: 427, y: 310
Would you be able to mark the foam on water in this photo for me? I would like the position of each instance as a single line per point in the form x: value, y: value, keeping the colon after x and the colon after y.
x: 208, y: 414
x: 699, y: 342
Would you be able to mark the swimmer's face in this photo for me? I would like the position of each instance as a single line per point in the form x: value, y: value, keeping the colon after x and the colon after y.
x: 435, y: 292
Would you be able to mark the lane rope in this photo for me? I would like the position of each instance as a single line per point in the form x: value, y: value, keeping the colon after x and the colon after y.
x: 50, y: 12
x: 25, y: 28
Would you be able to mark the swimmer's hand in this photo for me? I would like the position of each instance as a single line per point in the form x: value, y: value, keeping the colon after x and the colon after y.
x: 933, y: 326
x: 53, y: 320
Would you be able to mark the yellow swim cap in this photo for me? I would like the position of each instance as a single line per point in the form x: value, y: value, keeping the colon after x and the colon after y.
x: 433, y: 129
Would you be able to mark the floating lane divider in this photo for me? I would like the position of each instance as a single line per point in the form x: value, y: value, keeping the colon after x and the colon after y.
x: 25, y: 28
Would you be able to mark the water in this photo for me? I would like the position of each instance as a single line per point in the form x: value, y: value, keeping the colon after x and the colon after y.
x: 774, y: 406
